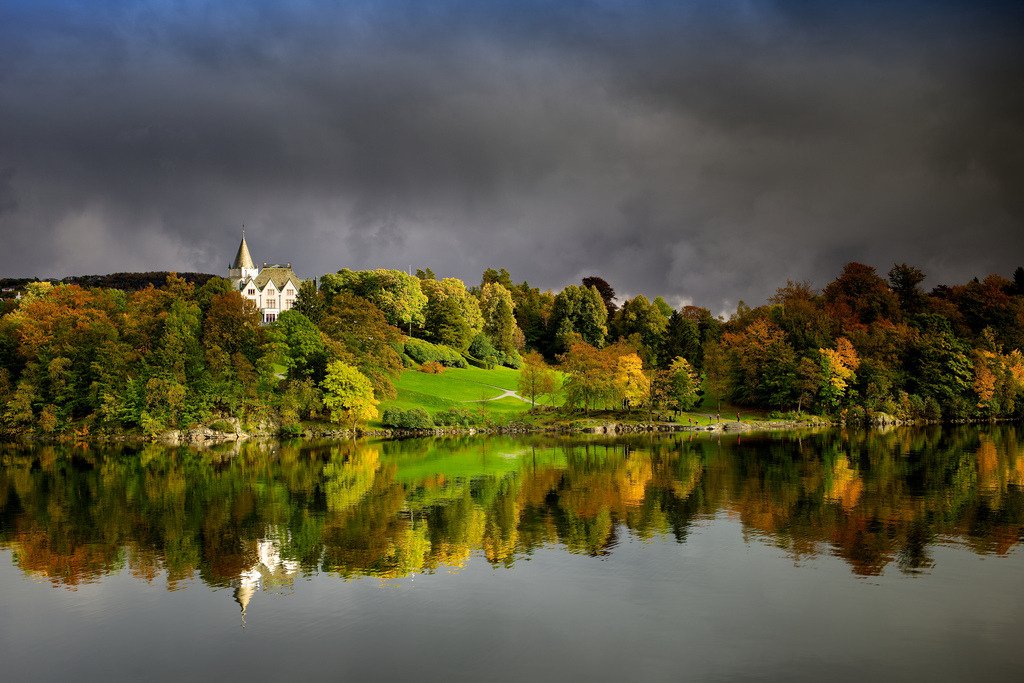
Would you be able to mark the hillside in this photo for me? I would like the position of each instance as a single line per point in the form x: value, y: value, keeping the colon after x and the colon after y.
x: 472, y: 388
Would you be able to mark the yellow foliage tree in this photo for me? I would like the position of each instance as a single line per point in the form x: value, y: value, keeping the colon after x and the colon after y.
x: 348, y: 394
x: 630, y: 379
x: 984, y: 378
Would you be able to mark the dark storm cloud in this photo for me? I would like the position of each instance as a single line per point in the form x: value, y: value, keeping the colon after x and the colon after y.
x: 703, y: 151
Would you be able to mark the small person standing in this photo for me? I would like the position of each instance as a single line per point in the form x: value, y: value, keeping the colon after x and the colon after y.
x: 737, y: 417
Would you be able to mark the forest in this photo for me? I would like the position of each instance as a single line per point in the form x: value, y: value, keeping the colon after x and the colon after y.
x: 84, y: 359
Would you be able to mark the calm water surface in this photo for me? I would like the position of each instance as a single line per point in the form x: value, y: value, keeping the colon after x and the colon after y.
x: 831, y: 556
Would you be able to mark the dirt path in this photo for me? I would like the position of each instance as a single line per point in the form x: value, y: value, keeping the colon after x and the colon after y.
x: 506, y: 393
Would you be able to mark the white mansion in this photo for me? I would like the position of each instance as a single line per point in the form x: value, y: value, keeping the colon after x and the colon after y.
x: 272, y: 288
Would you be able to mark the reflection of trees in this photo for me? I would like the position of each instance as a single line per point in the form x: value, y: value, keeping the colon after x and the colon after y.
x: 256, y: 516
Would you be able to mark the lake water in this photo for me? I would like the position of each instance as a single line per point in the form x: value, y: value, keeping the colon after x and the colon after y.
x: 838, y: 556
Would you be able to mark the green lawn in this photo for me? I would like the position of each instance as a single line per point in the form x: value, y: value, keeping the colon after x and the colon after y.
x: 458, y: 387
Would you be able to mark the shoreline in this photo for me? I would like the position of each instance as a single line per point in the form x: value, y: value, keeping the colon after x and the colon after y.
x: 207, y: 436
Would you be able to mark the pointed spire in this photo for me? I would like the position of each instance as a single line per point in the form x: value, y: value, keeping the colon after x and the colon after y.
x: 243, y: 259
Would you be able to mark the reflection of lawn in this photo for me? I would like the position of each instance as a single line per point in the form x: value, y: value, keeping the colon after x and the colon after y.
x: 482, y: 457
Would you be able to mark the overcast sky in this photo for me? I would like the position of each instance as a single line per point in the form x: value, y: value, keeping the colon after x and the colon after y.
x: 704, y: 151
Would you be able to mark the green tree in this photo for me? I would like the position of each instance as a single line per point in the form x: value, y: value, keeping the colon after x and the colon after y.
x: 585, y: 312
x: 809, y: 380
x: 644, y: 321
x: 310, y: 302
x: 682, y: 338
x: 498, y: 311
x: 717, y: 382
x: 940, y: 366
x: 398, y: 295
x: 798, y: 310
x: 497, y: 276
x: 452, y: 315
x: 904, y: 280
x: 762, y: 365
x: 683, y: 384
x: 533, y: 311
x: 305, y: 353
x: 604, y: 289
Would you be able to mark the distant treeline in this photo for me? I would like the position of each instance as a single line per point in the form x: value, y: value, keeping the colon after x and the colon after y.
x: 127, y: 282
x: 186, y: 352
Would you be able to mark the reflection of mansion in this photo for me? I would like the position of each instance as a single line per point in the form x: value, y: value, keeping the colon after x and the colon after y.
x: 269, y: 571
x: 272, y: 288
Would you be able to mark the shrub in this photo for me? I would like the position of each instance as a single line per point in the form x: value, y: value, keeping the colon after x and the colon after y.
x: 424, y: 352
x: 477, y: 363
x: 932, y: 411
x: 48, y: 419
x: 482, y: 348
x: 222, y: 426
x: 432, y: 367
x: 856, y: 415
x: 414, y: 418
x: 292, y: 431
x: 459, y: 417
x: 511, y: 360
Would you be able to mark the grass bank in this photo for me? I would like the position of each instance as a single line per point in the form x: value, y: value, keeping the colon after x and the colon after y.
x: 467, y: 388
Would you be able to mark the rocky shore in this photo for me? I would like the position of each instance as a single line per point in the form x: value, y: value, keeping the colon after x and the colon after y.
x: 232, y: 430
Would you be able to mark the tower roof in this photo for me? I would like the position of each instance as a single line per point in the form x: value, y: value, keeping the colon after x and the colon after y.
x: 243, y: 259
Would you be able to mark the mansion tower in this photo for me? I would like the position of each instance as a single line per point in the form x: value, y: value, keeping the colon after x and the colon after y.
x: 272, y: 288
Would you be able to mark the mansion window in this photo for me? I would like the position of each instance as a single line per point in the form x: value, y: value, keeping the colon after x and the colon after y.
x: 270, y: 317
x: 272, y: 302
x: 288, y: 303
x: 251, y: 292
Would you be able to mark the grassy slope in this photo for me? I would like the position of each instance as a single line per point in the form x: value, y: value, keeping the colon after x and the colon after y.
x: 471, y: 387
x: 457, y: 387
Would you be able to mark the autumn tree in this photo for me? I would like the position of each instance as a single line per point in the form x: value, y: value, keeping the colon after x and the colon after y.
x: 631, y: 383
x: 589, y: 376
x: 348, y: 395
x: 837, y: 369
x: 363, y: 337
x: 536, y: 379
x: 858, y: 296
x: 762, y: 365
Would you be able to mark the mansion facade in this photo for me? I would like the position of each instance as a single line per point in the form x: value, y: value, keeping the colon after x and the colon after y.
x: 273, y: 288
